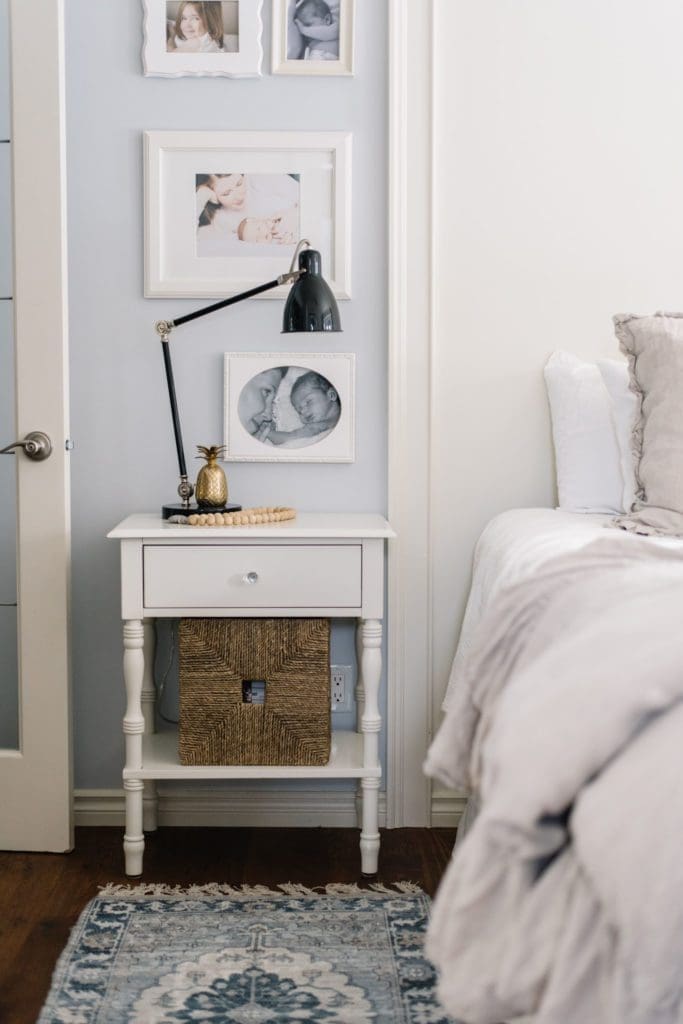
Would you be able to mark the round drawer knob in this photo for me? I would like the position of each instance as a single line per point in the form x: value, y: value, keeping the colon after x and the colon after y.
x: 250, y: 577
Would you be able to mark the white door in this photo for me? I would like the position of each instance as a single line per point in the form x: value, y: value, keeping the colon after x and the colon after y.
x: 35, y: 741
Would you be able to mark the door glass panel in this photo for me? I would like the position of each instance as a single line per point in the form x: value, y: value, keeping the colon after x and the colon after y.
x: 5, y: 229
x: 4, y: 72
x: 8, y: 544
x: 9, y: 679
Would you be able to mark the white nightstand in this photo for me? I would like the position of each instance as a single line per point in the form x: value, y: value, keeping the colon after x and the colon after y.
x: 329, y: 565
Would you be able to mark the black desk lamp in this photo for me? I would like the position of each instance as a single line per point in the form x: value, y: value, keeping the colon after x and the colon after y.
x: 310, y: 307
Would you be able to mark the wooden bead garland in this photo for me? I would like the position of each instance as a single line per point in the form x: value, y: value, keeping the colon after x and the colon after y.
x: 247, y: 517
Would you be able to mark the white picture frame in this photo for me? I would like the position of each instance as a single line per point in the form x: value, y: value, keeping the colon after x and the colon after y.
x: 299, y: 180
x: 332, y: 56
x: 263, y: 404
x: 231, y: 45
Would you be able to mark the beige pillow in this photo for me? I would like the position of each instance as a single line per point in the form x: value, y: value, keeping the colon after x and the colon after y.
x: 654, y: 348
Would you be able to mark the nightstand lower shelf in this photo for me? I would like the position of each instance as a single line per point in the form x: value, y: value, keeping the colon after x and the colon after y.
x: 160, y: 761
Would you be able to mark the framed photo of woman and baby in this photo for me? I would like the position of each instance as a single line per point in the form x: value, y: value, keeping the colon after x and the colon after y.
x: 202, y: 37
x: 224, y: 210
x: 289, y: 407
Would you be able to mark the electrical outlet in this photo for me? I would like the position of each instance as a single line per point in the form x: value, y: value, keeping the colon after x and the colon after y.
x: 341, y: 687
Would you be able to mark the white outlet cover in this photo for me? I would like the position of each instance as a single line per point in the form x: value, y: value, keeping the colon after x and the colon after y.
x: 347, y: 703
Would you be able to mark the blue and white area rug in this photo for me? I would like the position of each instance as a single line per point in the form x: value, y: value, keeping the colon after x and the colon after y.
x: 218, y: 955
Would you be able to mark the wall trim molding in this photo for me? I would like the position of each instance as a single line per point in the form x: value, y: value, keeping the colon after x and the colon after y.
x: 252, y: 808
x: 410, y: 302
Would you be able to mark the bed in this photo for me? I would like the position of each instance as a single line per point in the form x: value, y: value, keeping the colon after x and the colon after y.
x: 563, y: 902
x: 565, y: 721
x: 514, y: 545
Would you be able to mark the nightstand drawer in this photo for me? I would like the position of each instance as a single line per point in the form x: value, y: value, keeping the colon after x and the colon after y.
x: 252, y: 576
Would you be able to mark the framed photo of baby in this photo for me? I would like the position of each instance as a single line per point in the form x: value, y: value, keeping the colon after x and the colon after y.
x: 224, y: 210
x: 202, y: 37
x: 313, y: 37
x: 289, y: 407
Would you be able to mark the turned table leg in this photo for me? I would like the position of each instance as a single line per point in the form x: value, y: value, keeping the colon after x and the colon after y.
x: 150, y: 800
x: 359, y: 694
x: 370, y: 631
x: 133, y: 729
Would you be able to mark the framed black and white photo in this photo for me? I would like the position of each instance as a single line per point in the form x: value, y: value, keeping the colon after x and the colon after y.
x: 313, y: 37
x: 224, y: 210
x: 289, y: 407
x: 202, y: 37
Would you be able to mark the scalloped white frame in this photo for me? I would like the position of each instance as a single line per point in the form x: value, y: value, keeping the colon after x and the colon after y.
x: 156, y: 61
x: 337, y: 367
x: 281, y: 65
x: 323, y: 160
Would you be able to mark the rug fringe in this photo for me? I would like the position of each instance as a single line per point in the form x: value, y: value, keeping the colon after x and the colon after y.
x: 114, y: 890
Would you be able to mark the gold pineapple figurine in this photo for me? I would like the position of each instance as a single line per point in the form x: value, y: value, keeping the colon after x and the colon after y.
x: 212, y: 487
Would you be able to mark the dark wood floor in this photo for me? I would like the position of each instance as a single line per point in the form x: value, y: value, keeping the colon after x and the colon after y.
x: 41, y: 895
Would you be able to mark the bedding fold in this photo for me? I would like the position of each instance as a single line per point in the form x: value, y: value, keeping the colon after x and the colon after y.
x: 565, y: 898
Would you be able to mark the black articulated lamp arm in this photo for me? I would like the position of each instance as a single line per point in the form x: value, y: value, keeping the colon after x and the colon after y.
x: 179, y: 321
x: 166, y: 352
x: 164, y: 328
x: 310, y: 306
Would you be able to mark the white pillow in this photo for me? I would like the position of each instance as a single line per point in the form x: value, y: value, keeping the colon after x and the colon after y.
x: 587, y: 455
x: 625, y: 409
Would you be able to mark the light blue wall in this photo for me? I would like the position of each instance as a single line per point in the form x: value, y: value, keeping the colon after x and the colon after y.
x: 124, y: 458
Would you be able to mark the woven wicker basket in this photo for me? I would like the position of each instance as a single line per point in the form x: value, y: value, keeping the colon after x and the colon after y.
x: 217, y: 726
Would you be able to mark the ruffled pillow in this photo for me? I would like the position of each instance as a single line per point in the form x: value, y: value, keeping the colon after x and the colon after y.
x: 654, y: 348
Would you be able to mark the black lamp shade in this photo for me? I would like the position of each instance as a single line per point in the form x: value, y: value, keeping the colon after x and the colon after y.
x: 310, y: 305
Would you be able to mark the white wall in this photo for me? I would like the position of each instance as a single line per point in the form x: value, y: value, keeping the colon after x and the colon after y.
x: 124, y: 457
x: 558, y: 177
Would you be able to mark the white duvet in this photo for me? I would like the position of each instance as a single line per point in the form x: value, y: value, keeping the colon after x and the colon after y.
x: 515, y: 544
x: 565, y: 899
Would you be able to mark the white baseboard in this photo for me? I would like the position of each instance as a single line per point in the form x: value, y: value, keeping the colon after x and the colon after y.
x: 242, y: 807
x: 448, y: 807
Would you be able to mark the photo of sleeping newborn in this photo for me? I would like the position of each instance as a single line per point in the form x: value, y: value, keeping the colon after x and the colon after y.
x: 244, y: 214
x: 313, y: 30
x: 289, y: 407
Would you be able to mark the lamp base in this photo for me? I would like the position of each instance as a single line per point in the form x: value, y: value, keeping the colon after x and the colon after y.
x: 181, y: 510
